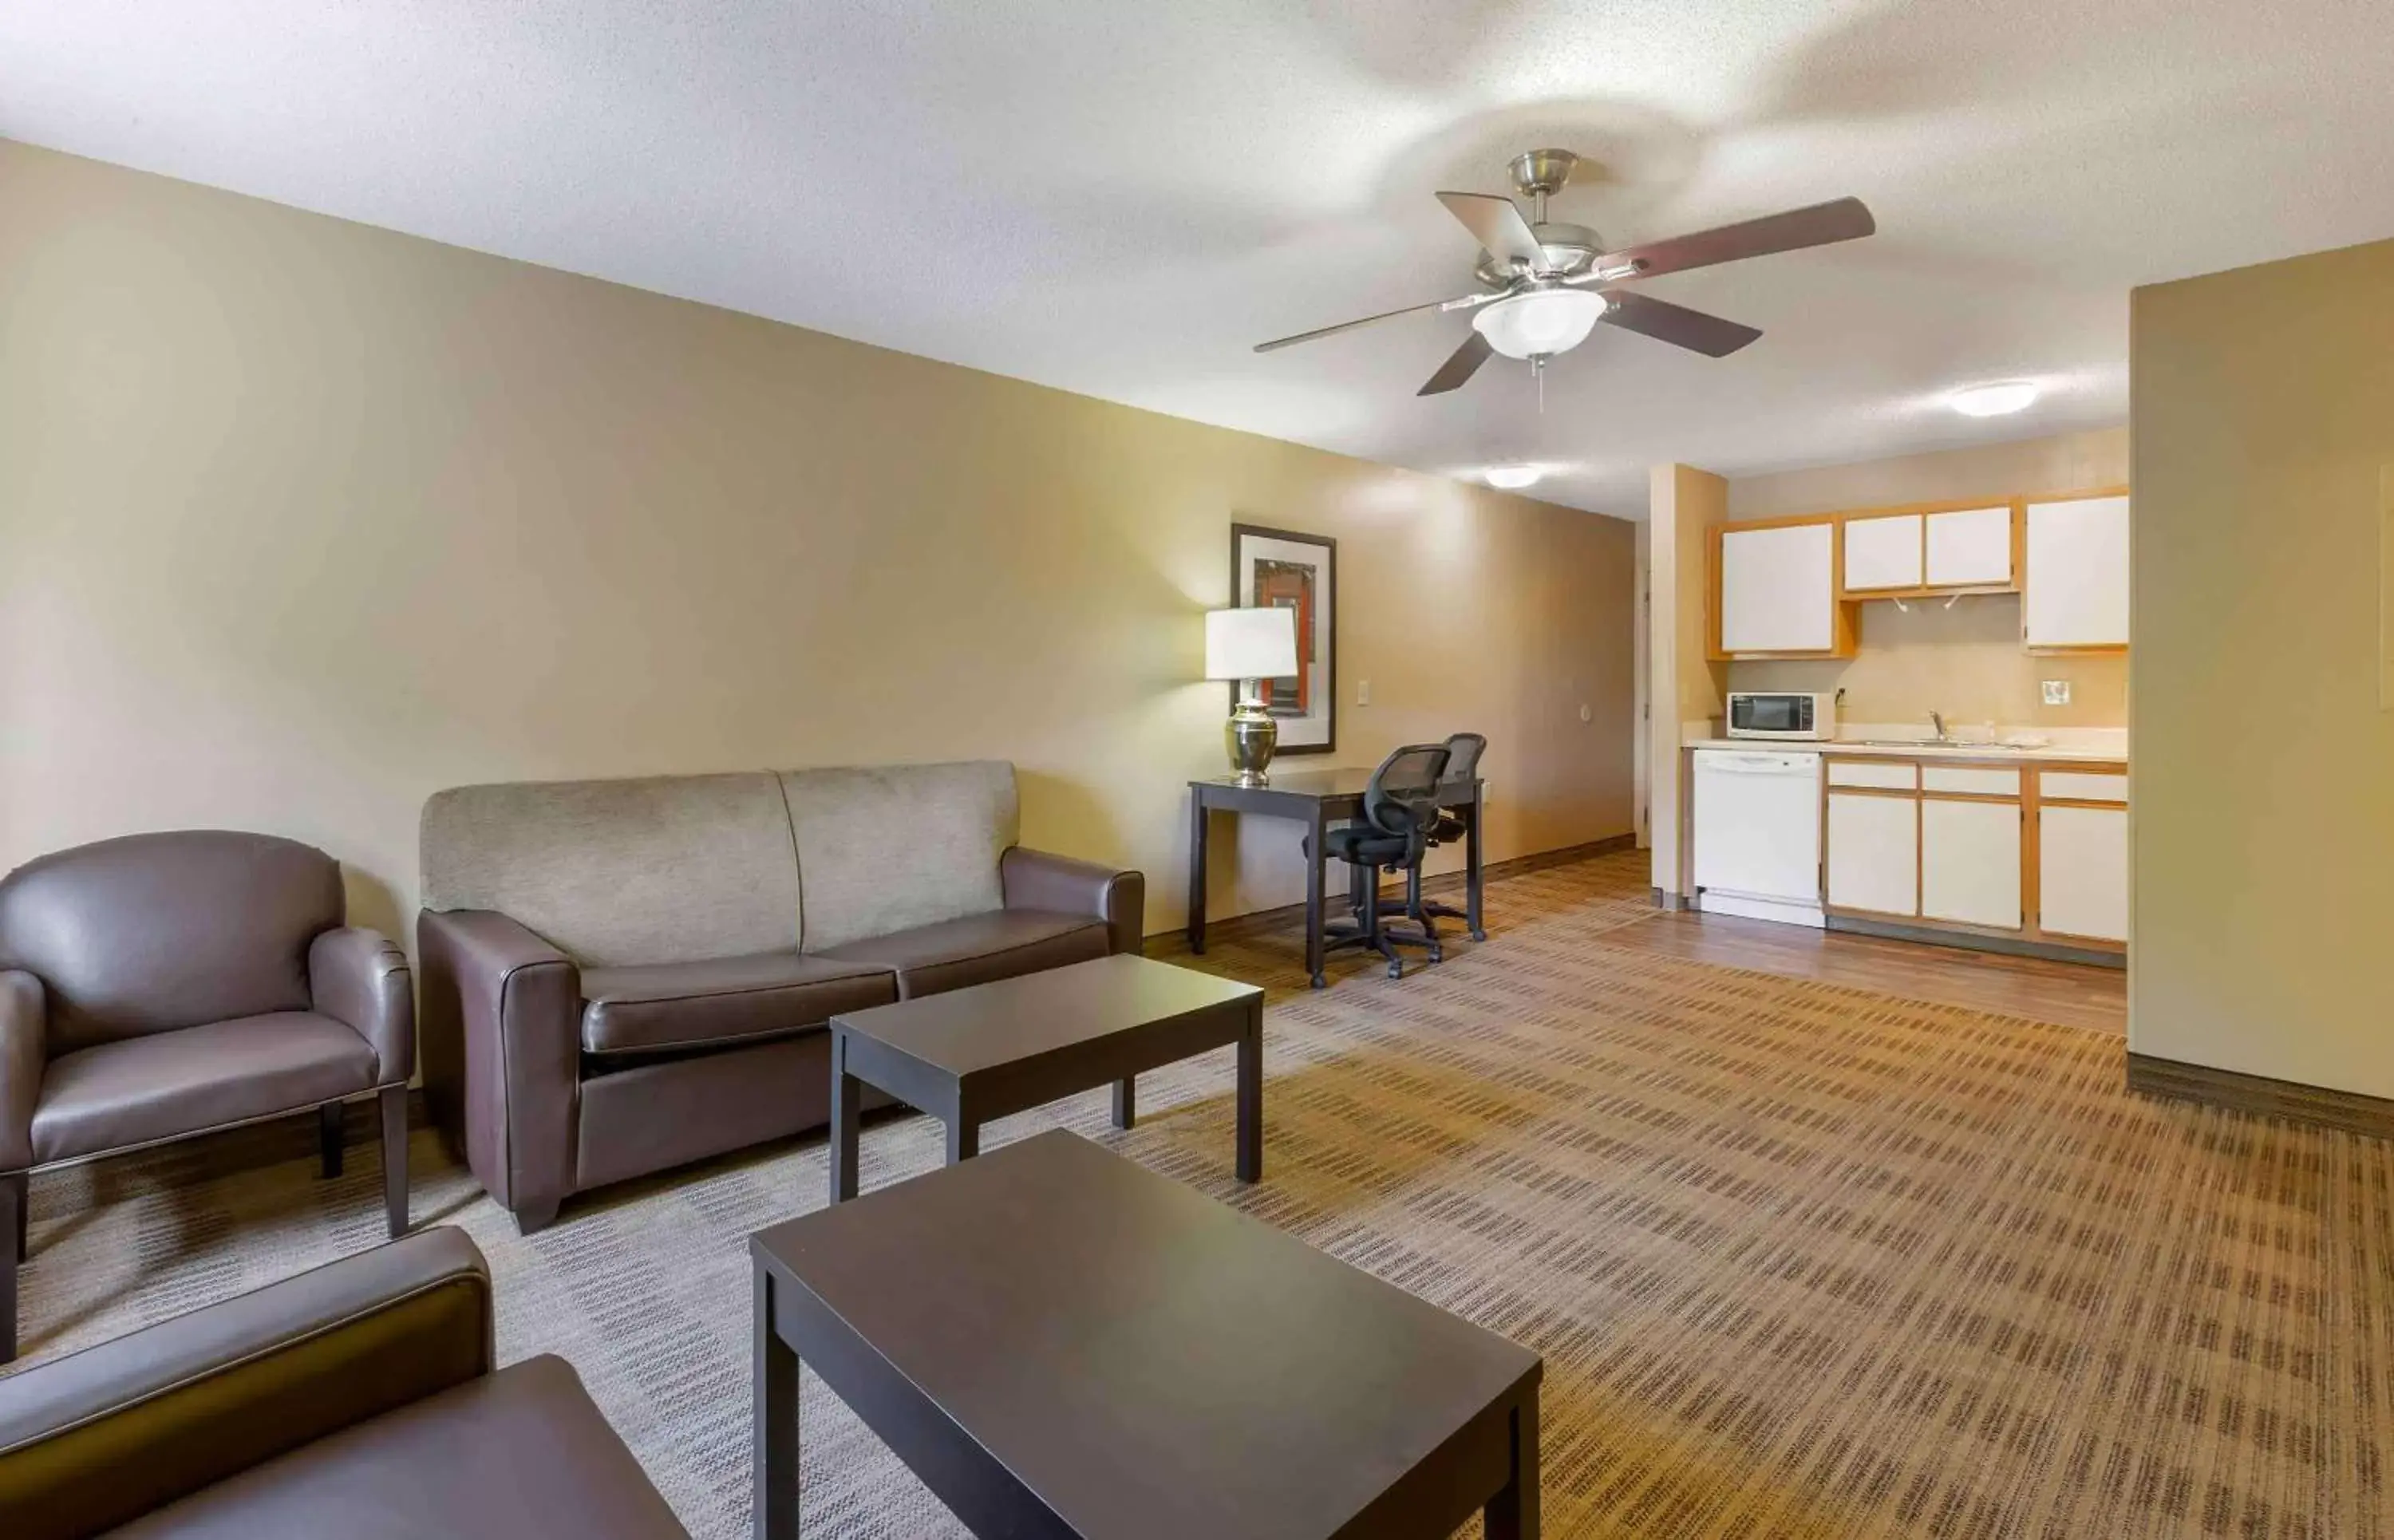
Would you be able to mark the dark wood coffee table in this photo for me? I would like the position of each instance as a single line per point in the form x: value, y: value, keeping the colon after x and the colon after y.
x: 975, y: 1054
x: 1064, y: 1345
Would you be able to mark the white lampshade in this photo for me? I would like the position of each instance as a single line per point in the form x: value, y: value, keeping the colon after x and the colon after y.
x: 1251, y: 644
x: 1542, y: 322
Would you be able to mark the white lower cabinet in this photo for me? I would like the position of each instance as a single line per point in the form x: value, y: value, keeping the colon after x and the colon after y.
x: 2083, y: 872
x: 1970, y: 862
x: 1873, y: 856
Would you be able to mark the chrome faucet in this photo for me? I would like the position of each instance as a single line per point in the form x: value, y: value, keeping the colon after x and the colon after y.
x: 1936, y: 720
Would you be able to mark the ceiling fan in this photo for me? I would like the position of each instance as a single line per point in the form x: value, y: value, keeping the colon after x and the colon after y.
x: 1547, y: 284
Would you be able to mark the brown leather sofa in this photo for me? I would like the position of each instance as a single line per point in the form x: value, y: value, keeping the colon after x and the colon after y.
x: 362, y: 1398
x: 164, y: 985
x: 625, y: 976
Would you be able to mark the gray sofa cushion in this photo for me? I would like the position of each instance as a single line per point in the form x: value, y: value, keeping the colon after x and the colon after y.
x: 895, y: 847
x: 663, y: 1006
x: 1006, y: 943
x: 668, y: 869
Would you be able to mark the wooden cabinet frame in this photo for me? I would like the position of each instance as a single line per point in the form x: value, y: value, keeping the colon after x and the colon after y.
x: 2030, y: 805
x: 2020, y: 565
x: 1925, y: 590
x: 1846, y: 603
x: 1846, y: 625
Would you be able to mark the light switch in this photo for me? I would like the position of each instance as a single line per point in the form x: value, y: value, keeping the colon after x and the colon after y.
x: 1363, y: 692
x: 1584, y: 714
x: 2057, y: 692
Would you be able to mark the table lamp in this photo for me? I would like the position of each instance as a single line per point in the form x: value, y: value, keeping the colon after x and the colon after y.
x: 1242, y: 645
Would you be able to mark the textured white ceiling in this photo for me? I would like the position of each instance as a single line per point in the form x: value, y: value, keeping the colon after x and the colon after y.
x: 1120, y: 198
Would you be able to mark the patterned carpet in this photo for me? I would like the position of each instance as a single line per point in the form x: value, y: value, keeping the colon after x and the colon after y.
x: 1803, y: 1261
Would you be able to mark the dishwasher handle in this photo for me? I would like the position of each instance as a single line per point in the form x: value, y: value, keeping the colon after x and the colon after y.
x: 1728, y: 762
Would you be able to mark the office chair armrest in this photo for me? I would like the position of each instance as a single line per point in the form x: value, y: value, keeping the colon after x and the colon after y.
x: 360, y: 979
x: 1034, y: 879
x: 98, y: 1437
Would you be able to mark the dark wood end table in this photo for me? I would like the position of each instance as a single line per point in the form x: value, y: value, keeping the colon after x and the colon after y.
x: 1064, y: 1345
x: 975, y: 1054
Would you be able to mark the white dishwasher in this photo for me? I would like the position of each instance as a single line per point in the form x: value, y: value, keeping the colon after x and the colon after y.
x: 1757, y: 824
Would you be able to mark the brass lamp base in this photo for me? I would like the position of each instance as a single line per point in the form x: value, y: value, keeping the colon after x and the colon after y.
x: 1251, y: 736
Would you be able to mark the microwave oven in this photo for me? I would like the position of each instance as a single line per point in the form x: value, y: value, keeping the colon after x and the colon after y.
x: 1781, y: 714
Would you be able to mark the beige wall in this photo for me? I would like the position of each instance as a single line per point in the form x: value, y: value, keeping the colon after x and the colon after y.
x: 1964, y: 661
x: 1684, y: 505
x: 2263, y: 832
x: 300, y: 521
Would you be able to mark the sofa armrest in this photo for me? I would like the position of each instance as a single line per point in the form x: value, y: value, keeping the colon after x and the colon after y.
x: 24, y: 1027
x: 1034, y: 879
x: 359, y: 977
x: 103, y: 1436
x: 502, y: 1050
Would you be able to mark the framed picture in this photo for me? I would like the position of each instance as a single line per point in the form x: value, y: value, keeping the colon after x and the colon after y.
x: 1300, y: 573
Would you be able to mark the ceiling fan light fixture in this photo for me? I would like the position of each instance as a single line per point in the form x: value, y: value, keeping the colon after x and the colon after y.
x: 1513, y: 477
x: 1541, y: 323
x: 1999, y: 400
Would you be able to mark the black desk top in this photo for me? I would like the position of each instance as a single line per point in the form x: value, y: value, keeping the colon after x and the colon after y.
x: 1350, y: 781
x: 1151, y: 1362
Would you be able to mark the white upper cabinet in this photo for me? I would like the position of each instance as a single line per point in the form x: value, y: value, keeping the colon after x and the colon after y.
x: 1883, y: 553
x: 2077, y: 573
x: 1778, y: 590
x: 1970, y: 546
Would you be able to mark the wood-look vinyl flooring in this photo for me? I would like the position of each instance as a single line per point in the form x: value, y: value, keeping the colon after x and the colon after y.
x: 2071, y: 994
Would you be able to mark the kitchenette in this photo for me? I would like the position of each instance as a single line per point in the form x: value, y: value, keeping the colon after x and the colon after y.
x: 1899, y: 750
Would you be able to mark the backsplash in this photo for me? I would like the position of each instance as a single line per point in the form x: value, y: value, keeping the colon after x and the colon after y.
x: 1964, y: 659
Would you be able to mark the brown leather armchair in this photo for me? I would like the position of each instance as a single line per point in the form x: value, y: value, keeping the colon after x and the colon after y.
x: 362, y: 1397
x: 164, y: 985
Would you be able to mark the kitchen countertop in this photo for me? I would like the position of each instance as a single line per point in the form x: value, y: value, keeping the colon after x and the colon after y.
x: 1916, y: 751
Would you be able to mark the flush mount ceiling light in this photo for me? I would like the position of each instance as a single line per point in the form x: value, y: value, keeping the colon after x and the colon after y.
x: 1993, y: 401
x: 1541, y: 323
x: 1513, y: 477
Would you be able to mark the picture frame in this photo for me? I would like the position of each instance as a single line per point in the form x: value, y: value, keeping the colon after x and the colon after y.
x: 1300, y: 572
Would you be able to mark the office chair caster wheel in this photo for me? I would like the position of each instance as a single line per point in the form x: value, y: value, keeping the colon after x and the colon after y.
x: 1480, y: 935
x: 1436, y: 957
x: 1396, y: 969
x: 1320, y: 980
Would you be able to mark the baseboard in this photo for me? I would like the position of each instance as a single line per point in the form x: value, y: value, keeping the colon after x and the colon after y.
x: 2348, y: 1111
x: 1232, y: 927
x: 1972, y: 940
x: 1778, y: 910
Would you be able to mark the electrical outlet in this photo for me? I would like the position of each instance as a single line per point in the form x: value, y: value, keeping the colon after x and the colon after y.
x: 1363, y: 692
x: 1585, y: 715
x: 2057, y: 692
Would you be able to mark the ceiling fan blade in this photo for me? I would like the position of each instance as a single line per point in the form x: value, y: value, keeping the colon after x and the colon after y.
x: 1497, y: 224
x: 1460, y: 365
x: 1845, y: 220
x: 1456, y: 303
x: 1664, y: 322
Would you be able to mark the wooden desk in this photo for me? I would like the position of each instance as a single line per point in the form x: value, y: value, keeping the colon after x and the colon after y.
x: 1318, y: 798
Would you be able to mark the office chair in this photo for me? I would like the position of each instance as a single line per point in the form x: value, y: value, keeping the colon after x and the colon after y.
x: 1399, y: 806
x: 1463, y: 751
